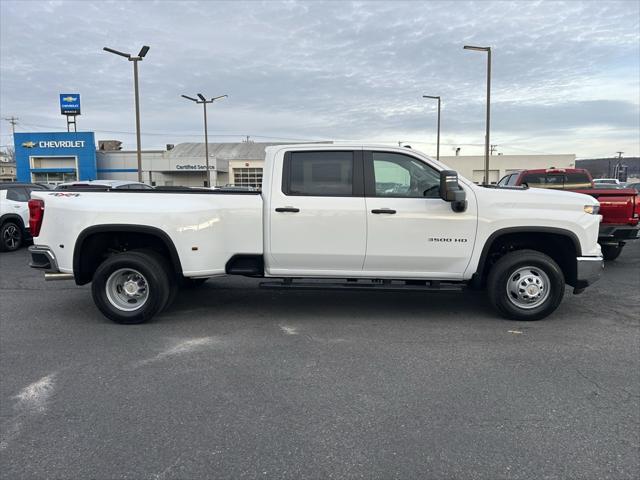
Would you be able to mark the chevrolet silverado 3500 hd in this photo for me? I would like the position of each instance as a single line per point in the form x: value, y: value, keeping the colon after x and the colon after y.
x: 328, y: 216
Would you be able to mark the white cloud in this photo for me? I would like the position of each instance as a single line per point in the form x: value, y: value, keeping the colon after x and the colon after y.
x: 332, y: 70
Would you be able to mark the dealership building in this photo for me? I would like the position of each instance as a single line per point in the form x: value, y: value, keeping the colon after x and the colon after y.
x: 56, y: 157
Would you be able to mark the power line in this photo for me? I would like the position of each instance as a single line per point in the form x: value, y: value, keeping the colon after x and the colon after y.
x: 185, y: 134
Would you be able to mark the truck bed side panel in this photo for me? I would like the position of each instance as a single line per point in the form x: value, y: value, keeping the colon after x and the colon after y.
x: 206, y: 230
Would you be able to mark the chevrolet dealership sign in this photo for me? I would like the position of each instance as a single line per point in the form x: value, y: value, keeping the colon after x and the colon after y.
x: 70, y: 103
x: 55, y: 144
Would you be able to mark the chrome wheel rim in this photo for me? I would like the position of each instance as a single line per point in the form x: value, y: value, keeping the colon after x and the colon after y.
x: 11, y: 236
x: 127, y: 289
x: 528, y: 287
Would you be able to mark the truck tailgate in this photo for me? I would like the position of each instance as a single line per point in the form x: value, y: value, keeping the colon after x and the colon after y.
x: 616, y: 206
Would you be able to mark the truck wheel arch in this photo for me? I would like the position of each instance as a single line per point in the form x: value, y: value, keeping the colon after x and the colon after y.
x: 524, y: 235
x: 84, y: 266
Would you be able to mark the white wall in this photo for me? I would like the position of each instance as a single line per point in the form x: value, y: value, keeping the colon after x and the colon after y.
x: 472, y: 167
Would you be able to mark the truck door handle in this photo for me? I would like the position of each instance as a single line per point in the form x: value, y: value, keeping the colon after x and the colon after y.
x: 383, y: 210
x: 288, y: 209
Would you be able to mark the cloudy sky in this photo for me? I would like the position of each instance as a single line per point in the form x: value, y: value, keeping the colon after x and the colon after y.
x: 566, y: 75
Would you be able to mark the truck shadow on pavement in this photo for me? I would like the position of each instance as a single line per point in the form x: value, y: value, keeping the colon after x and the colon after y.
x: 229, y: 299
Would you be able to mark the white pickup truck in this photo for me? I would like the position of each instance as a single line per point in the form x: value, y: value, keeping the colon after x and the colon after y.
x: 329, y: 216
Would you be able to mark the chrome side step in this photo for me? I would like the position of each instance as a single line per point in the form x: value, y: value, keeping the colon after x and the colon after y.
x: 367, y: 285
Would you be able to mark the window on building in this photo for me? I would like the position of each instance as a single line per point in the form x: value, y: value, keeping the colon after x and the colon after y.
x: 53, y: 177
x: 247, y: 177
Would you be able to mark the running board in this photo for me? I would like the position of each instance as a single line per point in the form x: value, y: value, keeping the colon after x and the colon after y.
x: 367, y: 285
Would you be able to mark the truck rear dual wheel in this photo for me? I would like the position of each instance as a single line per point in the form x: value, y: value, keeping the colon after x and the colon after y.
x: 131, y: 287
x: 525, y: 285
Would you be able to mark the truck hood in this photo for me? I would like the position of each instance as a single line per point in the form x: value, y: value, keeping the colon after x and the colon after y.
x: 557, y: 199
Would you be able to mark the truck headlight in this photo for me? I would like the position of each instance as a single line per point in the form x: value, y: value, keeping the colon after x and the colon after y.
x: 592, y: 209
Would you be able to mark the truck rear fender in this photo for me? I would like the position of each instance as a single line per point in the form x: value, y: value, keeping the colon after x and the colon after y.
x: 96, y: 243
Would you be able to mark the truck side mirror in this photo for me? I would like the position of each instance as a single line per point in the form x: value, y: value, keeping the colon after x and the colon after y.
x: 450, y: 190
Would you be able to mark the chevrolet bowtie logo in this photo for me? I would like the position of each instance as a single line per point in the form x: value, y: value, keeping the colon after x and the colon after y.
x: 29, y: 144
x: 69, y: 99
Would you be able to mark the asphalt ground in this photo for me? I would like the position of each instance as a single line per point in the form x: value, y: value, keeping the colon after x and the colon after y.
x: 237, y: 382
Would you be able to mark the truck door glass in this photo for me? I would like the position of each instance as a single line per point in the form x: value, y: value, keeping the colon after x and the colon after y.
x: 504, y: 180
x: 17, y: 195
x: 398, y: 175
x: 534, y: 180
x: 577, y: 180
x: 327, y: 173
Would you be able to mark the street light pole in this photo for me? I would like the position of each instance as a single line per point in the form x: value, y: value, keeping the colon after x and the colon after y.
x: 204, y: 102
x: 488, y: 122
x: 438, y: 144
x: 206, y: 144
x: 137, y: 96
x: 135, y: 60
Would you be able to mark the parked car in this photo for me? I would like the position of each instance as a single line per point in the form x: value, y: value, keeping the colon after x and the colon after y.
x: 14, y: 214
x: 105, y: 184
x: 325, y: 213
x: 619, y: 206
x: 635, y: 186
x: 606, y: 181
x: 237, y: 188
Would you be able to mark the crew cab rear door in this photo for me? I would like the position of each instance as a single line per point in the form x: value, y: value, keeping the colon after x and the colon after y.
x: 411, y: 231
x: 317, y: 220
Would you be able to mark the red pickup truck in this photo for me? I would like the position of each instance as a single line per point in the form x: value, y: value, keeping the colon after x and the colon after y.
x: 620, y: 208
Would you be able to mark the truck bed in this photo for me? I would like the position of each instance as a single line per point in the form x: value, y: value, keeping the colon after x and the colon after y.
x: 206, y: 226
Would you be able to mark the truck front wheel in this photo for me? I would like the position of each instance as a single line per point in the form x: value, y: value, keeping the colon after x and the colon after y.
x: 131, y: 287
x: 611, y: 252
x: 525, y: 285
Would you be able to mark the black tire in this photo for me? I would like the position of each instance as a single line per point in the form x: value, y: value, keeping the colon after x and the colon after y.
x: 11, y: 236
x: 611, y: 252
x: 156, y: 279
x: 173, y: 278
x: 515, y: 270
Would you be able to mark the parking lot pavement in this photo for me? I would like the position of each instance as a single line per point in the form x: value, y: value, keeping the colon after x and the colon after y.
x: 238, y: 382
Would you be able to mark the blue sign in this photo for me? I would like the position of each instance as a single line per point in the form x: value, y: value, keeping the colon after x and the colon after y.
x: 70, y: 103
x: 55, y: 156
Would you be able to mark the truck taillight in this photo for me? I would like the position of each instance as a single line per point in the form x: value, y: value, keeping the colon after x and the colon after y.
x: 36, y: 213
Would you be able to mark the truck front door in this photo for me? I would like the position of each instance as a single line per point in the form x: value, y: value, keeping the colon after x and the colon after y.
x: 411, y: 231
x: 317, y: 220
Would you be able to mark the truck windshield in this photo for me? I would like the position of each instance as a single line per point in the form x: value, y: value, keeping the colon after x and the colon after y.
x: 561, y: 181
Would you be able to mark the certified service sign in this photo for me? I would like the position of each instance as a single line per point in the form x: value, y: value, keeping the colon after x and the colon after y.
x: 70, y: 103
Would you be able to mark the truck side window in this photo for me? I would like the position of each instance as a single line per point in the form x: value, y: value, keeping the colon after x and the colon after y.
x: 17, y: 195
x: 577, y: 180
x: 534, y: 180
x: 505, y: 180
x: 320, y: 174
x: 398, y: 175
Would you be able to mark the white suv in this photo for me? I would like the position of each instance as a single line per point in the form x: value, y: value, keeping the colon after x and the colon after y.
x: 14, y: 214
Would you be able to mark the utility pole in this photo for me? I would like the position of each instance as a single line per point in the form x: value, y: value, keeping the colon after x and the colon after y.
x: 494, y: 148
x: 13, y: 121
